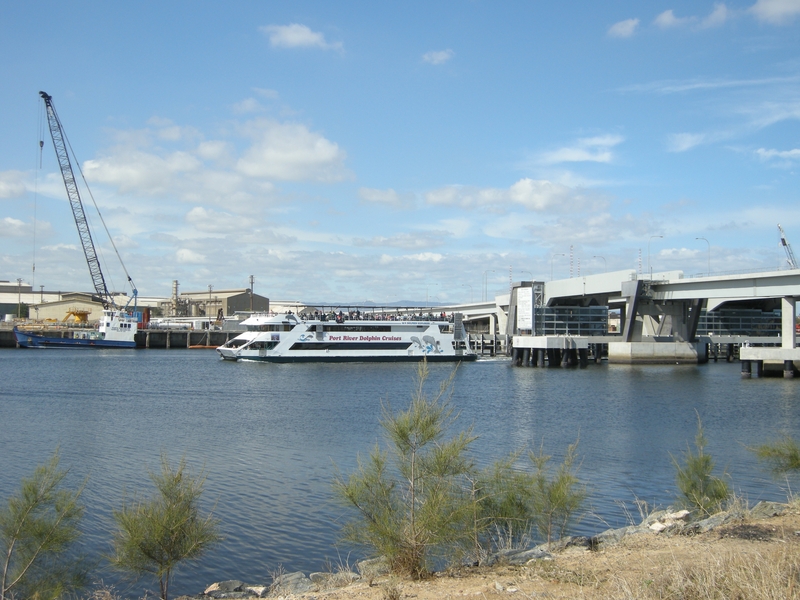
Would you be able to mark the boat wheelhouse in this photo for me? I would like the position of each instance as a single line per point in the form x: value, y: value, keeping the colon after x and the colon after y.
x: 289, y: 338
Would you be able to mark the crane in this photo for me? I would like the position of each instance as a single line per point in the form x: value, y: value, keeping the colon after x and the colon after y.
x: 60, y: 144
x: 788, y: 248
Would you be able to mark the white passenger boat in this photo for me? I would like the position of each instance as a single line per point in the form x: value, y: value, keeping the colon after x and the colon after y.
x: 291, y: 338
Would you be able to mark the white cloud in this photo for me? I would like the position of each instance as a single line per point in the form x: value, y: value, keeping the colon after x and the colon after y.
x: 776, y: 12
x: 438, y: 57
x: 211, y: 221
x: 680, y: 142
x: 13, y: 228
x: 185, y: 256
x: 456, y: 227
x: 425, y: 257
x: 406, y: 241
x: 248, y: 105
x: 594, y: 149
x: 297, y: 36
x: 266, y: 93
x: 136, y: 170
x: 674, y: 87
x: 290, y: 152
x: 769, y: 113
x: 623, y: 29
x: 12, y: 184
x: 667, y: 19
x: 386, y: 197
x: 215, y: 150
x: 718, y: 16
x: 534, y: 195
x: 765, y: 154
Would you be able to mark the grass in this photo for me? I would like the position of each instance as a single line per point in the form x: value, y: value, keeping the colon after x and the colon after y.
x: 760, y: 575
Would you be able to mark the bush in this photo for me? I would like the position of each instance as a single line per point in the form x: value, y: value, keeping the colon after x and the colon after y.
x: 699, y: 488
x: 154, y: 536
x: 782, y: 456
x: 556, y: 497
x: 514, y: 501
x: 411, y: 500
x: 38, y: 529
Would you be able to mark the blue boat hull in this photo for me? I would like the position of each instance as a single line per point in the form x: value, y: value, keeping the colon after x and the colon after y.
x: 31, y: 340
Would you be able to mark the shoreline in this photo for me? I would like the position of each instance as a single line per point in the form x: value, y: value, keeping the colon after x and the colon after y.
x: 604, y: 566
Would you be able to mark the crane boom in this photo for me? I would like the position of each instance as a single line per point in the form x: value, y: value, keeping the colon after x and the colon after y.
x: 788, y: 248
x: 59, y: 143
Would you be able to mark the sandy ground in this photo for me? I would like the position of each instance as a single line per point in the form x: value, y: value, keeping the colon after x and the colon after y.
x: 619, y: 571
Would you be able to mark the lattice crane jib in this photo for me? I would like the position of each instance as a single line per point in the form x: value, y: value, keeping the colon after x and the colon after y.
x: 788, y: 248
x: 60, y: 145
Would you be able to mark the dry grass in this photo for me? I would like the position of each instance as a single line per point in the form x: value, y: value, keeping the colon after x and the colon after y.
x: 758, y: 575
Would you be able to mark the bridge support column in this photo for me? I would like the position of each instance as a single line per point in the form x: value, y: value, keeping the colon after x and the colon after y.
x: 788, y: 332
x: 526, y: 357
x: 746, y: 373
x: 759, y: 364
x: 729, y: 353
x: 788, y: 369
x: 540, y: 358
x: 583, y: 357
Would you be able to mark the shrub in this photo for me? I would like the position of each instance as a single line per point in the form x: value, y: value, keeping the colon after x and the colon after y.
x: 38, y: 529
x: 783, y: 456
x: 556, y: 497
x: 155, y: 535
x: 410, y: 499
x: 699, y: 488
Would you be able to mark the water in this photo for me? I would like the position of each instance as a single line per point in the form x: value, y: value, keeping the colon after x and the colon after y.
x: 269, y: 437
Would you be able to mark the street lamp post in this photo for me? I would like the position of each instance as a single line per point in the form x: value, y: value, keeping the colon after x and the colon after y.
x: 649, y: 267
x: 19, y: 298
x: 208, y: 306
x: 552, y: 258
x: 529, y: 273
x: 486, y: 284
x: 709, y: 253
x: 427, y: 285
x: 605, y: 264
x: 470, y: 290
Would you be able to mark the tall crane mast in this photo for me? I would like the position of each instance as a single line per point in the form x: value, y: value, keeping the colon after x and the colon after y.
x: 788, y: 248
x: 60, y: 145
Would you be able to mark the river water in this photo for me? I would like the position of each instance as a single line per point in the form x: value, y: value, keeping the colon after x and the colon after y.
x: 269, y: 437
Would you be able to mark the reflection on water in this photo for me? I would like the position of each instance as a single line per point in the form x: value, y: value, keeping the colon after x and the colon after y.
x: 269, y: 437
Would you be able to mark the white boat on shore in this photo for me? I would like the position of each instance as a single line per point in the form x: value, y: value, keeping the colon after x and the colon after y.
x: 289, y: 338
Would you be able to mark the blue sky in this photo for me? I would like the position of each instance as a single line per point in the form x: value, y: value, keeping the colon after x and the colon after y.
x: 383, y: 151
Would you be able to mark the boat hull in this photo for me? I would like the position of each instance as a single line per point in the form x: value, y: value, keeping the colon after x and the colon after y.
x: 351, y: 359
x: 31, y: 340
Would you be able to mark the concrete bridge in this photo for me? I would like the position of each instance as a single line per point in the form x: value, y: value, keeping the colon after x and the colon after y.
x: 658, y: 314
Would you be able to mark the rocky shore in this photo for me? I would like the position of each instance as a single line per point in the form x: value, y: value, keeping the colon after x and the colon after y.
x: 513, y: 571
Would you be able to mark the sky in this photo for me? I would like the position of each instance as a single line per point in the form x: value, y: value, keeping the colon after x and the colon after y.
x: 399, y: 151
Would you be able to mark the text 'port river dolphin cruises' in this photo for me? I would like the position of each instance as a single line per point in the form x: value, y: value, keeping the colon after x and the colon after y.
x: 289, y: 338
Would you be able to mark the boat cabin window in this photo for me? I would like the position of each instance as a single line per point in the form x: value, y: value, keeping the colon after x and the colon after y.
x: 271, y: 327
x: 262, y: 345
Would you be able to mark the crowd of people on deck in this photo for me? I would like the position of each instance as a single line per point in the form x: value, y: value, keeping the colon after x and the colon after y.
x: 357, y: 315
